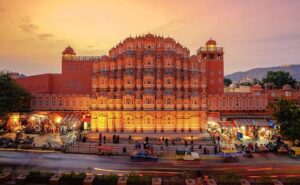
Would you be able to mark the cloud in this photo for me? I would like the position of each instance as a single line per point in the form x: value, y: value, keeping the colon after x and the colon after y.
x: 27, y: 25
x: 44, y: 36
x: 90, y: 46
x: 2, y: 10
x: 29, y: 28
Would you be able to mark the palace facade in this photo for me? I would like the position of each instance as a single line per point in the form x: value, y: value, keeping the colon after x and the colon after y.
x: 145, y: 84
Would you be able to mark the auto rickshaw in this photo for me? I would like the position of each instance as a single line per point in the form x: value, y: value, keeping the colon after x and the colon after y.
x: 295, y: 152
x: 105, y: 150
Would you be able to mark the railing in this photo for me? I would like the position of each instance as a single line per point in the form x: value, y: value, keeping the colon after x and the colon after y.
x: 83, y: 58
x: 219, y: 49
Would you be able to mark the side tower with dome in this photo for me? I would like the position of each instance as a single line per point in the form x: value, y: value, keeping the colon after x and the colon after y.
x: 211, y: 58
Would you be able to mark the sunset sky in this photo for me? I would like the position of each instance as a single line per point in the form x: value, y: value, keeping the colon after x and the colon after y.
x: 259, y: 33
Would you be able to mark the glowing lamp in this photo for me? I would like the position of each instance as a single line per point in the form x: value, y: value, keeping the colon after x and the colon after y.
x: 58, y: 119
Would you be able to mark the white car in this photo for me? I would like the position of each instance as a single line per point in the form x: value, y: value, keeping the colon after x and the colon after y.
x: 190, y: 156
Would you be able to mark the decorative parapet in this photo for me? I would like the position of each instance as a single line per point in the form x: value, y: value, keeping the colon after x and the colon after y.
x: 244, y: 182
x: 122, y: 181
x: 156, y: 181
x: 190, y: 182
x: 89, y: 180
x: 277, y: 182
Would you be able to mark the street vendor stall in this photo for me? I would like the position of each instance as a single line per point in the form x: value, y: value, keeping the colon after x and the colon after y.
x: 295, y: 152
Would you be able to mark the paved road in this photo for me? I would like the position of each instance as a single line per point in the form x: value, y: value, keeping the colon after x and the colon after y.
x: 59, y: 162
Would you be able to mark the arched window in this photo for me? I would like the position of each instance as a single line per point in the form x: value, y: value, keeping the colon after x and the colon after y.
x: 168, y: 81
x: 128, y: 101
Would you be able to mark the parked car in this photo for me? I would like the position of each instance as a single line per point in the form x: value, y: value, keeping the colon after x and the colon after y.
x: 230, y: 156
x: 189, y: 156
x: 182, y: 151
x: 143, y: 155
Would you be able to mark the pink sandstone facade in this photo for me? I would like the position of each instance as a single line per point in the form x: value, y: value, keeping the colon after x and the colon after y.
x: 145, y: 84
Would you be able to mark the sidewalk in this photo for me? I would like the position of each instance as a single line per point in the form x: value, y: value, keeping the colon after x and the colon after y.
x: 56, y: 140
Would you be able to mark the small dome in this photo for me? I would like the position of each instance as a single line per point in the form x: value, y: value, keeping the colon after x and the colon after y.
x: 169, y: 39
x: 211, y: 42
x: 129, y: 39
x: 149, y: 36
x: 232, y: 86
x: 69, y: 50
x: 256, y: 87
x: 268, y: 85
x: 104, y: 58
x: 286, y: 87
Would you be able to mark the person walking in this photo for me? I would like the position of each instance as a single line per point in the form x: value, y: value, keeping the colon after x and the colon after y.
x: 185, y: 143
x: 167, y: 142
x: 100, y: 139
x: 104, y: 139
x: 114, y: 138
x: 130, y: 139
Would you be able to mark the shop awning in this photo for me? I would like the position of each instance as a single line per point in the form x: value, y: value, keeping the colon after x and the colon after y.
x: 253, y: 122
x: 227, y: 124
x: 71, y: 118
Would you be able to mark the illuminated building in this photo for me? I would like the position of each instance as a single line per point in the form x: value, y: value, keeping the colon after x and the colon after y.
x: 146, y: 84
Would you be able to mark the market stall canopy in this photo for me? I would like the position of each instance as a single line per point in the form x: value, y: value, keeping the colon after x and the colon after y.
x: 253, y: 122
x: 227, y: 124
x: 71, y: 118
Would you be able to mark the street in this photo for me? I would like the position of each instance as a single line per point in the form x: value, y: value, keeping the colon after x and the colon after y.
x: 61, y: 162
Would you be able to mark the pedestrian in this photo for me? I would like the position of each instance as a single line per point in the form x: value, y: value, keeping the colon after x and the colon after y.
x: 192, y: 148
x: 216, y: 149
x: 129, y: 138
x: 147, y: 139
x: 173, y: 142
x: 167, y: 142
x: 104, y: 139
x: 114, y: 138
x: 185, y: 143
x: 161, y: 148
x: 118, y: 139
x: 100, y: 138
x: 192, y: 141
x: 204, y: 150
x: 200, y: 147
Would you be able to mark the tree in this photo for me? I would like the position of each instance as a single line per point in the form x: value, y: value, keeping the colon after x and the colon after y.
x: 279, y: 78
x: 13, y: 97
x: 287, y: 114
x: 227, y: 81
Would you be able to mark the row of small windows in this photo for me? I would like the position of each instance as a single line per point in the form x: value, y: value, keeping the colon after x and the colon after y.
x: 167, y: 101
x: 149, y: 120
x: 212, y: 56
x: 212, y: 81
x: 151, y: 81
x: 60, y: 103
x: 236, y: 103
x: 150, y: 63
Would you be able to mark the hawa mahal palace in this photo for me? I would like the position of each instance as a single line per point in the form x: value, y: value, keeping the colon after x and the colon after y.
x: 146, y: 83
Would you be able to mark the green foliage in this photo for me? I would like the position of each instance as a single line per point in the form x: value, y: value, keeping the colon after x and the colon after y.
x: 111, y: 179
x: 287, y: 114
x: 227, y: 81
x: 13, y: 98
x: 134, y: 179
x: 246, y: 84
x: 73, y: 178
x: 279, y: 78
x: 39, y: 177
x: 229, y: 177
